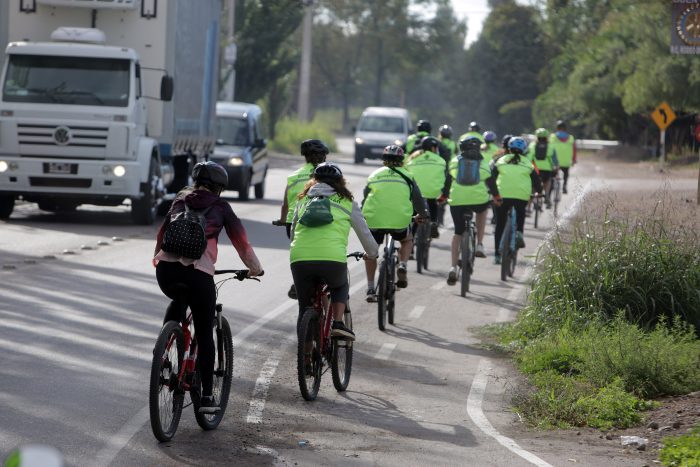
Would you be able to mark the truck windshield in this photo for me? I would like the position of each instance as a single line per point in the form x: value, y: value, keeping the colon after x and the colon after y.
x: 67, y: 80
x: 381, y: 124
x: 231, y: 131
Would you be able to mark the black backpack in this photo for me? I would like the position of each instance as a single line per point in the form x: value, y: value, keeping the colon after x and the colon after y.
x: 185, y: 234
x: 541, y: 150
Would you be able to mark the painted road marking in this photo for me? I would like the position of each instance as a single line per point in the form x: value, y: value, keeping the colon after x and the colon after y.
x: 262, y: 386
x: 384, y: 351
x: 474, y: 401
x: 416, y: 312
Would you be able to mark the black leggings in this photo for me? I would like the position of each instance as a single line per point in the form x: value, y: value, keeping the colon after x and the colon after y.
x: 187, y: 286
x: 433, y: 208
x: 502, y: 216
x: 565, y: 171
x: 307, y: 274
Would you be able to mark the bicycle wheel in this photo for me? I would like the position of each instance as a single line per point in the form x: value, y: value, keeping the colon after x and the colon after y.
x: 341, y: 358
x: 465, y: 261
x: 223, y: 372
x: 557, y: 196
x: 513, y: 262
x: 421, y: 236
x: 391, y: 290
x: 309, y: 358
x: 165, y: 397
x: 505, y: 249
x: 537, y: 207
x: 426, y: 253
x: 382, y: 301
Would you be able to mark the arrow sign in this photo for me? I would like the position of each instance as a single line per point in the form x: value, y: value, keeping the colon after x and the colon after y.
x: 663, y: 116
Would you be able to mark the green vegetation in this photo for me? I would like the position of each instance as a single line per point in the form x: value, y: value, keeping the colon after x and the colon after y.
x: 682, y: 451
x: 291, y: 132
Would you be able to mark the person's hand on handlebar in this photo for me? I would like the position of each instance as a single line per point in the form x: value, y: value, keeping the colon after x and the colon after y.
x: 366, y: 257
x: 497, y: 200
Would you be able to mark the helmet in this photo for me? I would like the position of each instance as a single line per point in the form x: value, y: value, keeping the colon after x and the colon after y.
x: 313, y: 146
x: 473, y: 126
x: 541, y: 133
x: 506, y: 139
x: 393, y: 153
x: 210, y: 172
x: 517, y: 145
x: 489, y: 136
x: 470, y: 142
x: 327, y: 171
x: 561, y: 125
x: 424, y: 125
x: 429, y: 142
x: 446, y: 131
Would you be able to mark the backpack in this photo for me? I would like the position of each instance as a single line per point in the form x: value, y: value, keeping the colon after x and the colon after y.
x: 469, y: 167
x: 317, y: 212
x: 185, y: 234
x: 541, y: 150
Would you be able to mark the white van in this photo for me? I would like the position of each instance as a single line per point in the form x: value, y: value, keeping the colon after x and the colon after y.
x: 379, y: 127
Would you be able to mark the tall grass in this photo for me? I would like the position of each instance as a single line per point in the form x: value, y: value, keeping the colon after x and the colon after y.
x: 290, y: 132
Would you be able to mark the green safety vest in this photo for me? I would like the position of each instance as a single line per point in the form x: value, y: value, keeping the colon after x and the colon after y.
x: 546, y: 164
x: 514, y: 179
x: 451, y: 145
x: 327, y: 242
x: 489, y: 150
x: 388, y: 204
x: 428, y: 170
x: 295, y: 184
x: 468, y: 195
x: 472, y: 133
x: 564, y: 149
x: 413, y: 139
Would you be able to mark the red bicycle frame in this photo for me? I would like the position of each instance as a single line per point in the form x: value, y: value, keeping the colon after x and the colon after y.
x: 188, y: 361
x: 322, y: 307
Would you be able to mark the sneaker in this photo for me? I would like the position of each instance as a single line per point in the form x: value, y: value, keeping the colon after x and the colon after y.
x: 564, y: 190
x: 208, y: 405
x: 401, y: 273
x: 497, y: 259
x: 480, y: 253
x: 452, y: 277
x: 339, y: 330
x: 434, y: 232
x: 292, y: 292
x: 371, y: 295
x: 519, y: 240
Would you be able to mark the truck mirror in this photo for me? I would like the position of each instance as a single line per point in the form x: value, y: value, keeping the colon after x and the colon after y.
x: 166, y: 88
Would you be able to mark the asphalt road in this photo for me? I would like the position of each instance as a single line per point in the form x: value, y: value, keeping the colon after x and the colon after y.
x: 80, y: 311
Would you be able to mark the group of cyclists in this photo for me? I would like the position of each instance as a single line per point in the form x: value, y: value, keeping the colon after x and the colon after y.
x: 318, y: 210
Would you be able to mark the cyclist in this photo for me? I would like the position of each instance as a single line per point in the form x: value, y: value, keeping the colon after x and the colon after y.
x: 423, y: 129
x: 446, y: 140
x: 565, y: 146
x: 474, y: 130
x: 318, y: 252
x: 429, y: 171
x: 515, y: 178
x: 543, y: 155
x: 489, y: 149
x: 390, y: 199
x: 468, y: 198
x: 314, y: 152
x: 197, y: 274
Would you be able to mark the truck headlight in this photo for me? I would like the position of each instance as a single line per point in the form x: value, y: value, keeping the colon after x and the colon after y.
x: 235, y: 161
x: 119, y: 170
x: 3, y: 166
x: 359, y: 141
x: 398, y: 142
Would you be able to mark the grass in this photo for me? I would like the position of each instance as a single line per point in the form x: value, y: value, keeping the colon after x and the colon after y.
x: 290, y: 132
x: 682, y: 451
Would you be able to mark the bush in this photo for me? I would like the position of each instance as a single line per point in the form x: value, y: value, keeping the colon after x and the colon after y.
x: 291, y: 132
x: 682, y: 451
x: 611, y: 407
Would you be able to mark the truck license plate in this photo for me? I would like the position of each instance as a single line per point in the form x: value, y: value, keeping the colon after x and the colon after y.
x: 377, y: 150
x: 60, y: 168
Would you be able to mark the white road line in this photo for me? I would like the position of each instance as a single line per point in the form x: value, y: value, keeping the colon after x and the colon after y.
x: 262, y: 386
x: 438, y: 285
x: 384, y: 351
x: 474, y: 401
x: 416, y: 312
x: 119, y: 440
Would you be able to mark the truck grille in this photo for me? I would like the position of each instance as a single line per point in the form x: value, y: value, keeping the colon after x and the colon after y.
x: 62, y: 135
x: 60, y: 182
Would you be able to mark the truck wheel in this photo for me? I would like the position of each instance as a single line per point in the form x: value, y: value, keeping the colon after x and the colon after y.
x: 144, y: 210
x: 260, y: 188
x: 7, y: 204
x: 244, y: 192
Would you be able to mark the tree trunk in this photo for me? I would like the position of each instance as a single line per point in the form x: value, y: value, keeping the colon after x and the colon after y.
x: 380, y: 72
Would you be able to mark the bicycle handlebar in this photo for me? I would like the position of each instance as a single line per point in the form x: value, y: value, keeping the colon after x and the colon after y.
x: 240, y: 274
x: 358, y: 255
x: 278, y: 223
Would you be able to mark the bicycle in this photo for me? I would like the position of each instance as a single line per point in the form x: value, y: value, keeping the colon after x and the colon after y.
x: 556, y: 191
x: 467, y: 248
x: 508, y: 248
x: 317, y: 349
x: 537, y: 201
x: 174, y: 370
x: 422, y: 243
x: 386, y: 285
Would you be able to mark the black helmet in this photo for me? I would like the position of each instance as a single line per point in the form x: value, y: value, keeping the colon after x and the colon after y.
x: 561, y: 125
x: 505, y: 141
x: 424, y: 125
x: 210, y: 172
x: 313, y: 146
x: 393, y: 153
x: 327, y: 172
x: 473, y: 126
x: 470, y: 142
x: 428, y: 142
x: 446, y: 131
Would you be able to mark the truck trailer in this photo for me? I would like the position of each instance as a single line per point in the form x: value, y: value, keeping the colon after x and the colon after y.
x: 105, y: 101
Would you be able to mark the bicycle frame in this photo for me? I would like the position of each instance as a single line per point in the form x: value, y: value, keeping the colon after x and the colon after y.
x: 325, y: 315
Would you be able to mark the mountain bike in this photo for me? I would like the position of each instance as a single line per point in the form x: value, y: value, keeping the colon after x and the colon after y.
x: 174, y: 370
x: 386, y: 285
x: 507, y: 247
x: 316, y: 350
x: 422, y: 242
x: 537, y: 202
x: 467, y: 248
x: 556, y: 193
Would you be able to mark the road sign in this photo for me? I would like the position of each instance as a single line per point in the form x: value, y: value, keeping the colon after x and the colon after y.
x: 663, y: 116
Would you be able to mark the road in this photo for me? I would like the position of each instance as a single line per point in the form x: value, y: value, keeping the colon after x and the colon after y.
x: 81, y: 310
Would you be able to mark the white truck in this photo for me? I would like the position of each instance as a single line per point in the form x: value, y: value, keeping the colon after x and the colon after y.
x: 104, y: 101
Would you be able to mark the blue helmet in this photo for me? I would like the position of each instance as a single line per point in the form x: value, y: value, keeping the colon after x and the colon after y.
x: 489, y: 136
x: 517, y: 145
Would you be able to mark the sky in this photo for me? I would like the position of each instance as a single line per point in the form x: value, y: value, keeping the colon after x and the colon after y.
x: 476, y: 12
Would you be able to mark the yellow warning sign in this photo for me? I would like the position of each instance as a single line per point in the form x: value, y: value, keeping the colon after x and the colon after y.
x: 663, y: 116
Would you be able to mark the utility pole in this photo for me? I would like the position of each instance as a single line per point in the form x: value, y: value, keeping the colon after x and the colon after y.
x: 230, y: 53
x: 305, y: 72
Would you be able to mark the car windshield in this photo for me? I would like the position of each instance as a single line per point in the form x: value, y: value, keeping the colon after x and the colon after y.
x: 232, y: 131
x: 381, y: 124
x: 67, y: 80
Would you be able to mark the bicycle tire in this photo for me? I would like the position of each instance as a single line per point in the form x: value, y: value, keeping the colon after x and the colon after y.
x: 420, y: 248
x: 465, y: 262
x: 505, y: 249
x: 173, y: 396
x: 382, y: 297
x: 309, y: 332
x: 426, y: 253
x: 513, y: 263
x: 391, y: 291
x: 223, y: 374
x: 341, y: 358
x: 537, y: 207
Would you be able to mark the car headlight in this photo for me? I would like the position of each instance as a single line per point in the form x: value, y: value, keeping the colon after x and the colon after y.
x: 3, y: 166
x: 119, y: 170
x: 235, y: 161
x: 359, y: 141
